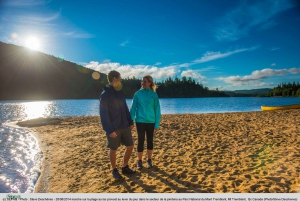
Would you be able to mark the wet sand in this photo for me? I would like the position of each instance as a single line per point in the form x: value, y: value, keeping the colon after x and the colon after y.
x: 247, y: 152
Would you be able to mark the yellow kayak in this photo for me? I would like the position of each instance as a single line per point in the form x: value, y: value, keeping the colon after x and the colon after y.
x: 283, y: 107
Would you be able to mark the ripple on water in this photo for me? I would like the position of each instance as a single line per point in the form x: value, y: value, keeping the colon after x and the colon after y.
x: 20, y: 160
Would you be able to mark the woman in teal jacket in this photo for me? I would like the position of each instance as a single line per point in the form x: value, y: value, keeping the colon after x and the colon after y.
x: 145, y: 111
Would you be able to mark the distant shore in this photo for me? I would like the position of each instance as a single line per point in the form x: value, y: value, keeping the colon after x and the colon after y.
x: 246, y: 152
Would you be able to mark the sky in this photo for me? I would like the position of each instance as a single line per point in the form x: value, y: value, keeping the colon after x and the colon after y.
x: 224, y: 44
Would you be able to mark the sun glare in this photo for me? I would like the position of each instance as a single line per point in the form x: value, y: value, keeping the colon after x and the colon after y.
x: 37, y: 109
x: 33, y: 43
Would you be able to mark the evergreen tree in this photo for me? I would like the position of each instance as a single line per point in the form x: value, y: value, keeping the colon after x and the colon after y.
x: 286, y: 90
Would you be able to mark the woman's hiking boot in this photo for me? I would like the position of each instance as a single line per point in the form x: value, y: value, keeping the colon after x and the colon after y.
x: 149, y: 163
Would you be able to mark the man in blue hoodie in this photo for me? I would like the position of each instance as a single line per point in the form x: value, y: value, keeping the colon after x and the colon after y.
x: 116, y: 122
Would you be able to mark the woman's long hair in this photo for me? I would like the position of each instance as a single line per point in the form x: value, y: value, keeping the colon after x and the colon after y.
x: 150, y: 79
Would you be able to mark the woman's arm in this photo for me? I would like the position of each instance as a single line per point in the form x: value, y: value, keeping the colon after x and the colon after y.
x: 157, y: 112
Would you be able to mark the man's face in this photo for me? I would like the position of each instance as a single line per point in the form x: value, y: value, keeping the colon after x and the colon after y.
x: 118, y: 79
x: 117, y: 83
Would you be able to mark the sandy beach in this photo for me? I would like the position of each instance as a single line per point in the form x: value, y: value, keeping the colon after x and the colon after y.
x: 247, y: 152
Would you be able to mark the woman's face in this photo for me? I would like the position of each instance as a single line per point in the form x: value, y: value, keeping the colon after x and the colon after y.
x: 145, y: 83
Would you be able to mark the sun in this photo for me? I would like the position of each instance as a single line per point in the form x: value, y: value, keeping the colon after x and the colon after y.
x: 33, y: 43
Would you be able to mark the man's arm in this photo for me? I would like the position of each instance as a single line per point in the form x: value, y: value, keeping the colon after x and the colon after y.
x: 128, y: 115
x: 133, y: 108
x: 104, y: 114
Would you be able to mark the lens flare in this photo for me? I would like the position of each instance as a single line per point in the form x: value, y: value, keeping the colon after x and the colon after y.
x: 14, y: 35
x: 60, y: 58
x: 96, y: 75
x: 118, y: 86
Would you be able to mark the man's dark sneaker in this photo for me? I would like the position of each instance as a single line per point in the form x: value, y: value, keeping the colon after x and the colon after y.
x: 149, y: 163
x: 127, y: 170
x: 139, y: 164
x: 116, y: 174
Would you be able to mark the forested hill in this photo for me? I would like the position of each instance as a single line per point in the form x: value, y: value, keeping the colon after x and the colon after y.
x: 30, y: 75
x: 249, y: 92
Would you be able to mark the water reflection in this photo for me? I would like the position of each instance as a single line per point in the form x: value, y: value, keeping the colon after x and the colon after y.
x: 20, y: 160
x: 34, y: 110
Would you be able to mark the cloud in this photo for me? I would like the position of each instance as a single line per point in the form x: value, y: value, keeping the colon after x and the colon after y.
x: 43, y: 21
x: 209, y: 68
x: 138, y: 71
x: 248, y: 15
x: 268, y: 25
x: 124, y: 43
x: 294, y: 70
x: 275, y: 48
x: 193, y: 74
x: 27, y: 2
x: 273, y: 64
x: 256, y: 77
x: 209, y: 56
x: 185, y: 65
x: 78, y: 35
x: 32, y: 19
x: 135, y: 70
x: 166, y: 71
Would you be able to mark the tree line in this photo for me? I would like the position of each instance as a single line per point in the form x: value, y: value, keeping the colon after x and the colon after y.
x: 173, y: 88
x: 285, y: 90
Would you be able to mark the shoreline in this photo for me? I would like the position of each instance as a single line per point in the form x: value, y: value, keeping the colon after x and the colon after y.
x: 41, y: 185
x: 239, y: 152
x: 41, y: 182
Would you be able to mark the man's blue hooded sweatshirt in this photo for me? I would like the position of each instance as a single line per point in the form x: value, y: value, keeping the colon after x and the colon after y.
x: 114, y: 111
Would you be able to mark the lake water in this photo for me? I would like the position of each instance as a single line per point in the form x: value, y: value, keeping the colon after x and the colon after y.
x: 20, y: 156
